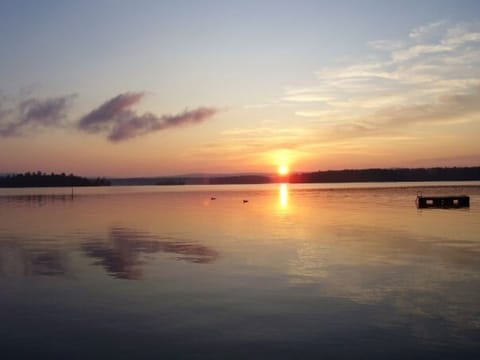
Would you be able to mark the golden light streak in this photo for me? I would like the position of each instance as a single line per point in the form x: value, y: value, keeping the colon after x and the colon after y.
x: 283, y: 196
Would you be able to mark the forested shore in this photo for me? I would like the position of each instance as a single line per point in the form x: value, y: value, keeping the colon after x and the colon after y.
x: 39, y: 179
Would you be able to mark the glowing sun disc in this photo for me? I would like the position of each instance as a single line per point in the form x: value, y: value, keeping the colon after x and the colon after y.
x: 283, y: 170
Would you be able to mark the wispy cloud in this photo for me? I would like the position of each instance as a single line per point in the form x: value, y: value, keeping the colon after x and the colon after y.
x: 447, y: 108
x: 426, y: 30
x: 251, y: 145
x: 386, y: 45
x: 430, y: 76
x: 461, y: 35
x: 419, y: 50
x: 307, y: 96
x: 33, y: 114
x: 119, y: 122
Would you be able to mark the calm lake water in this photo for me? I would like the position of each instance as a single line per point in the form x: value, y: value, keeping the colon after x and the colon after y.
x: 299, y: 271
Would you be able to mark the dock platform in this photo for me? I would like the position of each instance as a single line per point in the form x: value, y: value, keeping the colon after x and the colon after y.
x: 444, y: 202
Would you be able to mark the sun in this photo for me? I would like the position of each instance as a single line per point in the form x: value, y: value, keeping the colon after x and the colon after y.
x: 283, y: 170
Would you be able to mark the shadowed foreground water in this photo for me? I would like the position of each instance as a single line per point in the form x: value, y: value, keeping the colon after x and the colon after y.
x: 339, y: 271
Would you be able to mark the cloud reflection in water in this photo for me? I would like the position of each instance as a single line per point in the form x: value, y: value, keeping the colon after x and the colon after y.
x: 122, y: 255
x: 17, y: 259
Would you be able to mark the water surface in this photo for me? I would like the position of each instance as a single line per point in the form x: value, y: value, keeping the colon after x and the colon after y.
x: 330, y: 270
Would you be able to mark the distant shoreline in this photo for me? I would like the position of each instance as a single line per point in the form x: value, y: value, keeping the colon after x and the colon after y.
x: 39, y: 179
x: 329, y: 176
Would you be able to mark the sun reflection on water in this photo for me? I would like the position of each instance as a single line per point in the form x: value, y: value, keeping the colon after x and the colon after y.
x: 283, y: 194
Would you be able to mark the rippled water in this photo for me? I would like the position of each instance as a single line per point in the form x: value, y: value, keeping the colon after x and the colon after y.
x: 298, y: 271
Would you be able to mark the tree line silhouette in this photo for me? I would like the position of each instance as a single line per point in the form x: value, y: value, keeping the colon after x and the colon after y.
x: 359, y: 175
x: 40, y: 179
x: 389, y: 175
x: 241, y: 179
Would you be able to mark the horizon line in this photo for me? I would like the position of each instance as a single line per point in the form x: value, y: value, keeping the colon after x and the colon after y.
x: 245, y: 173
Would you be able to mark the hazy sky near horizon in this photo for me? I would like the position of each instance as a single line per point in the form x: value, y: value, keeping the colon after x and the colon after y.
x: 143, y: 88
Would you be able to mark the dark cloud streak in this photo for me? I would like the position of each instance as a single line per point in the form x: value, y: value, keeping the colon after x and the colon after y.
x: 115, y: 118
x: 31, y: 114
x: 140, y: 125
x: 100, y: 118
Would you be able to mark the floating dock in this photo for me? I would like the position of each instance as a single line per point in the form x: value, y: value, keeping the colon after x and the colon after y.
x: 444, y: 202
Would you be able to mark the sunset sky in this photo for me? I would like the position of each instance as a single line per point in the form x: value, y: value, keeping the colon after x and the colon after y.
x: 145, y: 88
